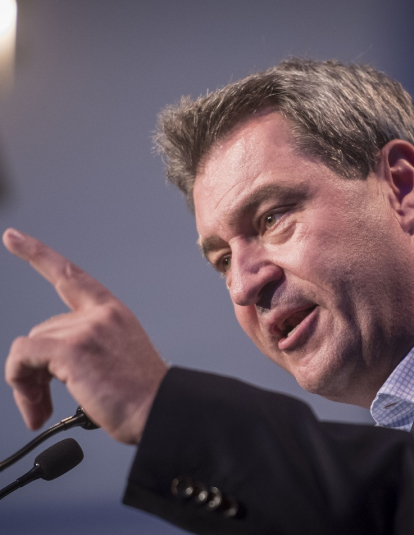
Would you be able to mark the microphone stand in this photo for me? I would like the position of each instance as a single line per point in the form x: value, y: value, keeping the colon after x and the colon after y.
x: 21, y: 482
x: 80, y: 418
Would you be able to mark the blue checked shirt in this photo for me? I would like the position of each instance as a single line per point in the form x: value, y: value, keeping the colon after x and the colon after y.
x: 394, y: 403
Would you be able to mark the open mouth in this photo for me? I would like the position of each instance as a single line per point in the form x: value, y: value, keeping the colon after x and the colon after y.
x: 291, y: 323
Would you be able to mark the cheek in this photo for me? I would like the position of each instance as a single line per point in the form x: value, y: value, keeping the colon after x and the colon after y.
x: 323, y: 251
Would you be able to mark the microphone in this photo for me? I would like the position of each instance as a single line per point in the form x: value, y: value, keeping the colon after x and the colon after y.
x: 50, y: 464
x: 80, y: 418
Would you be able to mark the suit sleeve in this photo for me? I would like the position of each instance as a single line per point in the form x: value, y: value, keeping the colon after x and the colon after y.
x: 222, y: 457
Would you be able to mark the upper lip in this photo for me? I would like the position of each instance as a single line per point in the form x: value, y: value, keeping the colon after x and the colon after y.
x: 276, y: 322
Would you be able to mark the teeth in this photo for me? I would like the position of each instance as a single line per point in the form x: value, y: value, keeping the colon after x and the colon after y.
x: 292, y: 331
x: 297, y: 318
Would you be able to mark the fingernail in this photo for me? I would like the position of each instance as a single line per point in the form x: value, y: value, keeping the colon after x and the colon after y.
x: 15, y: 235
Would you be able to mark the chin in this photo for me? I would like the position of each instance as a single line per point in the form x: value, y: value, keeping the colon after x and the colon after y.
x: 330, y: 381
x: 314, y: 386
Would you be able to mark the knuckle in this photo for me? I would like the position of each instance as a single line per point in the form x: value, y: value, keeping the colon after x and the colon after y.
x: 86, y: 342
x: 107, y: 317
x: 70, y: 276
x: 111, y: 314
x: 33, y: 331
x: 107, y: 320
x: 71, y: 271
x: 80, y: 357
x: 36, y: 330
x: 18, y: 345
x: 98, y: 330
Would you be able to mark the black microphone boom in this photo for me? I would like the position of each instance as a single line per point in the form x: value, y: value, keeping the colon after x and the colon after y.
x: 80, y: 418
x: 50, y: 464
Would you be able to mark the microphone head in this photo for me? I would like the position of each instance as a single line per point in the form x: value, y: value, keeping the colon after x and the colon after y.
x: 59, y: 459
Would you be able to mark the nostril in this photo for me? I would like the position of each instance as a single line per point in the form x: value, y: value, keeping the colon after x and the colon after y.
x: 266, y: 294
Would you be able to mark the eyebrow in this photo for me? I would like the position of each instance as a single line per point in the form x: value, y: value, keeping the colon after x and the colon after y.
x: 285, y: 194
x: 210, y: 244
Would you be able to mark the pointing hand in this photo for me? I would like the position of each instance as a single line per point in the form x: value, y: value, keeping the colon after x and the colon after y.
x: 98, y: 349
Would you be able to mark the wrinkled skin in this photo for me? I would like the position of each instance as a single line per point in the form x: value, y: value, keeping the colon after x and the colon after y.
x: 327, y: 260
x: 98, y: 349
x: 301, y: 246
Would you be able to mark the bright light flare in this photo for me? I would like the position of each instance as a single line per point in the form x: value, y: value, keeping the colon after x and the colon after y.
x: 8, y: 21
x: 8, y: 16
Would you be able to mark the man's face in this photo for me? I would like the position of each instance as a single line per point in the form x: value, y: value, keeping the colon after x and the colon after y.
x: 316, y: 265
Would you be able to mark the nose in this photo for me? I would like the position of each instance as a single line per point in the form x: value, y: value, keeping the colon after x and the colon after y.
x: 252, y: 275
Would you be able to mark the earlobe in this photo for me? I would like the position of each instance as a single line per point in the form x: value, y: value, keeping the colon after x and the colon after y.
x: 398, y: 165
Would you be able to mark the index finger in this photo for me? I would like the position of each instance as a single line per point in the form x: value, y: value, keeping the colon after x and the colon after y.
x: 75, y: 287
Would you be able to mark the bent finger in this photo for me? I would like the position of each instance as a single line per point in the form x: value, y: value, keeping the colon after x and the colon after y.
x: 59, y: 324
x: 34, y: 414
x: 27, y: 372
x: 32, y: 362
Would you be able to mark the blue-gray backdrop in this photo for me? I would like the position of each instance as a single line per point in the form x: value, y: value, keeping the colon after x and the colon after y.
x: 78, y: 171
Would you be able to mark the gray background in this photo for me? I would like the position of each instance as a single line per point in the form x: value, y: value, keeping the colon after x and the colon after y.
x: 77, y: 170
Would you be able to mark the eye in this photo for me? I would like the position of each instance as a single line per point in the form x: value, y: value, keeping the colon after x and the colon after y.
x: 224, y: 264
x: 270, y: 220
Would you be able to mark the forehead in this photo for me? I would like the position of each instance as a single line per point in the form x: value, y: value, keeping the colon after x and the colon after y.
x: 258, y: 154
x: 266, y: 136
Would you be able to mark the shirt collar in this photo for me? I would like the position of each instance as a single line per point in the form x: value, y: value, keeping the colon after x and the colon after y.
x: 394, y: 403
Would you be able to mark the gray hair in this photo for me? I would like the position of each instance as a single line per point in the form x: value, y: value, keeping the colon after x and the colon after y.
x: 341, y: 113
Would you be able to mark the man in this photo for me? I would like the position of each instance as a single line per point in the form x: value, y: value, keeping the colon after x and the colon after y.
x: 301, y: 179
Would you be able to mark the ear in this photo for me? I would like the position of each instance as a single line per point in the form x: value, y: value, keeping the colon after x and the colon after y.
x: 397, y: 165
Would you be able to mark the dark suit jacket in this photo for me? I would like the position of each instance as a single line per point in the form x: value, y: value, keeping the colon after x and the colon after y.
x: 289, y: 473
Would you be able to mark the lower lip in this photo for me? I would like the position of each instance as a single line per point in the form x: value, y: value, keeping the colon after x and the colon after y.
x: 302, y: 333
